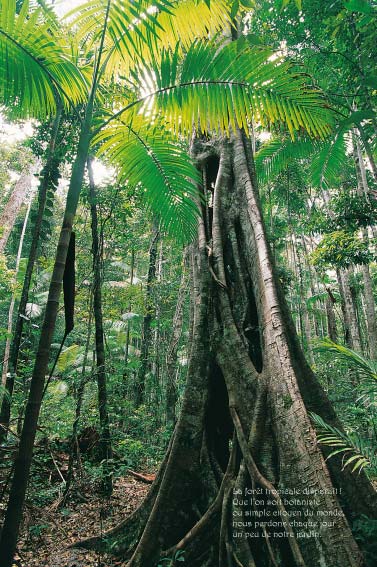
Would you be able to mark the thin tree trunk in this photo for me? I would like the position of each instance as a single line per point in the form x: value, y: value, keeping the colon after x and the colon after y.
x: 311, y: 283
x: 369, y: 152
x: 244, y: 423
x: 303, y: 306
x: 351, y: 329
x: 331, y: 319
x: 105, y: 438
x: 13, y: 299
x: 156, y: 388
x: 13, y: 516
x: 147, y: 335
x: 50, y: 176
x: 370, y: 307
x: 127, y: 347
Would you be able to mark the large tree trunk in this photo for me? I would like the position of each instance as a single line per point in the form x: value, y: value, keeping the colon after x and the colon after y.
x: 244, y: 422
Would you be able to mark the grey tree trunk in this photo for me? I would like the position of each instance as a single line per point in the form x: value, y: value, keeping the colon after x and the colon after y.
x: 13, y: 206
x: 244, y: 423
x: 13, y: 298
x: 331, y: 318
x: 351, y: 328
x: 370, y: 307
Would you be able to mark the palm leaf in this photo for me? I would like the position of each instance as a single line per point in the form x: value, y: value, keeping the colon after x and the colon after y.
x: 218, y: 87
x: 149, y: 159
x: 365, y: 367
x: 327, y: 157
x: 35, y: 69
x: 356, y: 452
x: 276, y: 155
x: 327, y: 164
x: 140, y: 29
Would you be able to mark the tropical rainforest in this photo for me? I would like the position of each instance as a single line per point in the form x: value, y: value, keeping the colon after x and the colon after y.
x: 188, y: 283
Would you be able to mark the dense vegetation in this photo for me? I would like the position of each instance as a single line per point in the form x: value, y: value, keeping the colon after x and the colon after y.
x: 188, y: 277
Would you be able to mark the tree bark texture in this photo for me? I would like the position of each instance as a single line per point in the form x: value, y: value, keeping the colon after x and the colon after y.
x: 244, y: 421
x: 370, y: 307
x: 13, y: 299
x: 331, y: 318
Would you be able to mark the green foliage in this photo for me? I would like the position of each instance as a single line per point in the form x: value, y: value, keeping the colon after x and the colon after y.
x: 215, y: 87
x: 179, y: 556
x: 35, y: 66
x: 327, y: 159
x: 356, y: 452
x: 365, y: 530
x: 159, y: 168
x: 340, y: 249
x: 6, y: 278
x: 366, y: 368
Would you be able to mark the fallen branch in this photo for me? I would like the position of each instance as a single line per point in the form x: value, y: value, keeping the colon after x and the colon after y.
x: 148, y: 479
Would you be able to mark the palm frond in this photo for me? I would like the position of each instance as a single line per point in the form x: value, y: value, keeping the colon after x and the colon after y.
x: 365, y: 367
x: 276, y: 155
x: 149, y: 159
x: 357, y: 453
x: 141, y: 29
x: 34, y: 66
x: 218, y: 87
x: 327, y: 164
x: 327, y: 157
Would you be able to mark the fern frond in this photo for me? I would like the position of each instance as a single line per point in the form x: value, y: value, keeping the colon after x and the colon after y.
x: 356, y: 452
x: 69, y: 357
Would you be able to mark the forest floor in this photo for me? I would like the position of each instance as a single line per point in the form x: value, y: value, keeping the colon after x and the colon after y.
x: 48, y: 533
